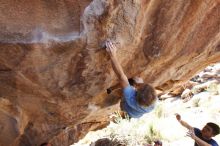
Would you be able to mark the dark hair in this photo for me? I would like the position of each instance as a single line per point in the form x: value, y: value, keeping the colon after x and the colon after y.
x: 108, y: 142
x: 215, y: 128
x: 146, y: 95
x: 158, y: 142
x: 44, y: 144
x: 131, y: 81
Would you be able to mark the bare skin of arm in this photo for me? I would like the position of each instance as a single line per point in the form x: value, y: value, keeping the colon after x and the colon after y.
x: 191, y: 132
x: 183, y: 123
x: 111, y: 49
x: 199, y: 141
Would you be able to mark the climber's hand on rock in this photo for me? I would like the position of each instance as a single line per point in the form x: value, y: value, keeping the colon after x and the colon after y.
x: 110, y: 48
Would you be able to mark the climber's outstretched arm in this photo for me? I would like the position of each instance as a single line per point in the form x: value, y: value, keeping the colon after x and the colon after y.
x: 111, y: 49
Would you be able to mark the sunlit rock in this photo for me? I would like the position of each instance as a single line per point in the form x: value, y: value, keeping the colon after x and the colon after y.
x: 54, y: 71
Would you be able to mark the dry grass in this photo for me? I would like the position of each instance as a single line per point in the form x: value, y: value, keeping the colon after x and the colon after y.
x: 161, y: 123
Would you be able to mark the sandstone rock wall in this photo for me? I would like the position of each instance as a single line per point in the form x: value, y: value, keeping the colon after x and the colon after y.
x: 54, y: 71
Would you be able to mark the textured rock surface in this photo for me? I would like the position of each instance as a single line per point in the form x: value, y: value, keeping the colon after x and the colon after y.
x: 54, y: 72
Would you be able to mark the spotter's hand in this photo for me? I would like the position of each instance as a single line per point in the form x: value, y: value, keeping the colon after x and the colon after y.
x: 178, y: 117
x: 191, y: 133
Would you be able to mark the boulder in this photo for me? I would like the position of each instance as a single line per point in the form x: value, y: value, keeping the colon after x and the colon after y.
x: 54, y: 71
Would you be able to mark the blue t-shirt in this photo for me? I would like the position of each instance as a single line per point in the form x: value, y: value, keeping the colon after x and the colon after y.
x: 130, y: 104
x: 199, y: 134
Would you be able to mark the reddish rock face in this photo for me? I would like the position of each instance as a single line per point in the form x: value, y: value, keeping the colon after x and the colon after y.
x: 54, y: 71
